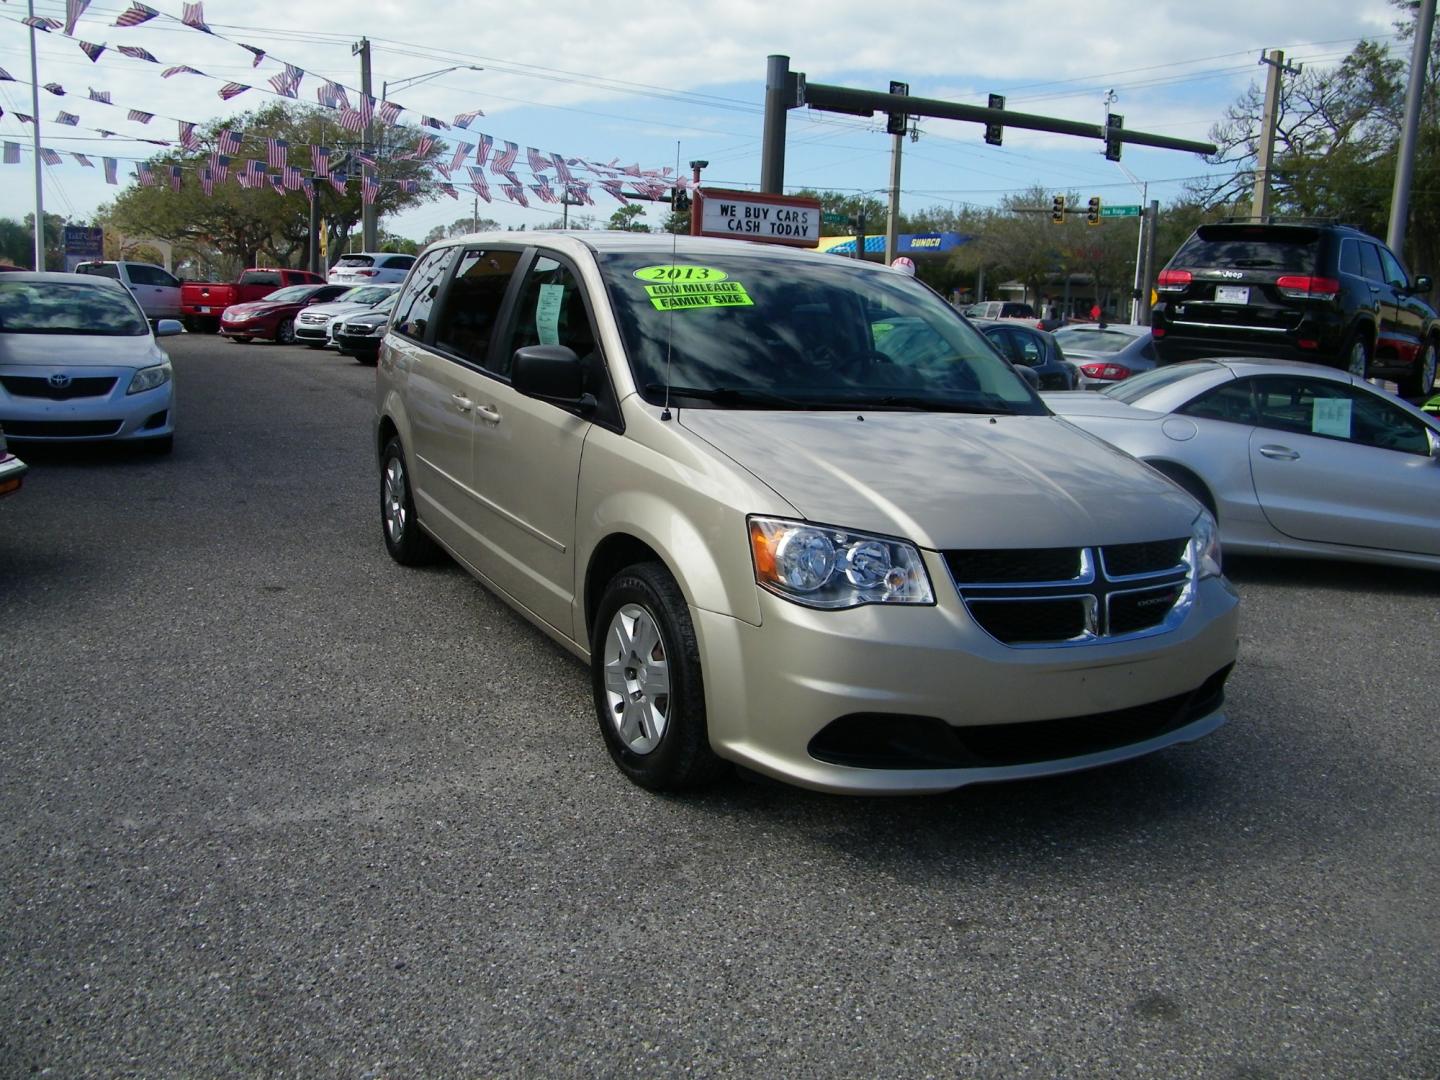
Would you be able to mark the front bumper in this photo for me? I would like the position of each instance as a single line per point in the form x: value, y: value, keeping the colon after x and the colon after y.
x: 772, y: 689
x: 113, y: 416
x: 12, y: 473
x: 250, y: 328
x: 312, y: 332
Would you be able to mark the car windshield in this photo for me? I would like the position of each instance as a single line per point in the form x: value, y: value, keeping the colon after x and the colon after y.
x: 1134, y: 388
x: 1251, y: 247
x: 353, y: 261
x: 291, y: 294
x: 1091, y: 339
x: 50, y: 307
x: 754, y: 331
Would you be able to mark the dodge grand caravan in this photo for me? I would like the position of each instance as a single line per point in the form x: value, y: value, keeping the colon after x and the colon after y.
x: 697, y: 466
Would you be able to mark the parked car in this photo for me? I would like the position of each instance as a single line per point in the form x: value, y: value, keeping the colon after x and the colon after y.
x: 1032, y: 350
x: 201, y: 302
x: 1106, y: 353
x: 1327, y: 294
x: 12, y: 469
x: 273, y: 318
x: 312, y: 326
x: 370, y: 268
x: 78, y: 361
x: 1293, y: 459
x: 156, y: 288
x: 1000, y: 309
x: 687, y: 461
x: 359, y: 334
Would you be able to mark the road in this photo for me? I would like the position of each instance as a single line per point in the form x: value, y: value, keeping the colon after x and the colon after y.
x: 274, y: 805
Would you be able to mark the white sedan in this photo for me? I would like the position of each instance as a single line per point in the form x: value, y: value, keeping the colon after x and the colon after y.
x: 1293, y: 459
x: 313, y: 324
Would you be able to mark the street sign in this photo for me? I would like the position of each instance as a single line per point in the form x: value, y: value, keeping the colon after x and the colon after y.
x: 835, y: 219
x: 752, y: 215
x: 1120, y: 211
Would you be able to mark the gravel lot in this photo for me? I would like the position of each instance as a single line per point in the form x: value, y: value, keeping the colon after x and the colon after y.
x: 275, y: 805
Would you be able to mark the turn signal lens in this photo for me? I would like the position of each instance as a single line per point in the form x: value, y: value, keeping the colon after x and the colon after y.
x: 1304, y: 287
x: 1173, y: 281
x: 1100, y: 370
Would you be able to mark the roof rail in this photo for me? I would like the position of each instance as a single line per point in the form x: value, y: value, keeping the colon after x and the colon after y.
x: 1276, y: 219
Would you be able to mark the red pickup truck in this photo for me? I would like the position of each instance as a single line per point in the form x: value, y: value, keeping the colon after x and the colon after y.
x: 201, y: 302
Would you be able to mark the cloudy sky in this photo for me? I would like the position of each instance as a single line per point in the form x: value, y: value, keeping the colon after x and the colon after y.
x: 578, y: 79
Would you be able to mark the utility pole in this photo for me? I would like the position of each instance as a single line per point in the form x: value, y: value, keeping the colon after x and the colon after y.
x: 1265, y: 153
x: 896, y: 128
x: 39, y: 176
x: 695, y: 167
x: 1152, y: 221
x: 1405, y: 168
x: 565, y: 203
x: 369, y: 239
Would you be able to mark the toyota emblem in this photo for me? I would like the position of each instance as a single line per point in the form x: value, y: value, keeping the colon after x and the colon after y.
x: 59, y: 380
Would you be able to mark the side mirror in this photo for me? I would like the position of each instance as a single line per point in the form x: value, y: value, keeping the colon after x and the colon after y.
x: 1423, y: 284
x: 169, y: 328
x: 552, y: 373
x: 1434, y: 440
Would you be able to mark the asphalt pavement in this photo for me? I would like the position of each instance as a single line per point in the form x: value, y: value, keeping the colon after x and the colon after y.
x: 273, y: 805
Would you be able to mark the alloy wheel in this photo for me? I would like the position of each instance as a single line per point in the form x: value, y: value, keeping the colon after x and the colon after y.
x: 394, y: 502
x: 637, y: 678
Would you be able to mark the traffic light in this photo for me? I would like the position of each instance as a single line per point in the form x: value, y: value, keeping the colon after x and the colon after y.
x: 1057, y: 210
x: 995, y: 133
x: 679, y: 200
x: 895, y: 124
x: 1114, y: 122
x: 1092, y: 215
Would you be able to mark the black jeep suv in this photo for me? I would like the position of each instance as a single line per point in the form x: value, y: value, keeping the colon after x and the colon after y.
x: 1329, y: 294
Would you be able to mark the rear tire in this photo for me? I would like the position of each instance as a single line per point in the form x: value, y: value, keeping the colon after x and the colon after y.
x: 1420, y: 382
x: 1357, y: 356
x: 407, y: 543
x: 646, y: 679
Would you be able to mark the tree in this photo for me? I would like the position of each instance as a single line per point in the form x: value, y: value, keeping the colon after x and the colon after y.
x: 17, y: 241
x: 460, y: 227
x: 245, y: 224
x: 629, y: 218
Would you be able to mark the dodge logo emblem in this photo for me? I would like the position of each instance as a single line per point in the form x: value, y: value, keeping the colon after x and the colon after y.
x: 59, y: 380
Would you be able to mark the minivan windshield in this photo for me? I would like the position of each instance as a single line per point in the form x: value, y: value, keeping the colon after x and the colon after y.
x: 744, y: 331
x: 84, y: 307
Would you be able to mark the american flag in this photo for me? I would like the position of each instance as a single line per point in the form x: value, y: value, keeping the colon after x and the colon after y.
x: 278, y: 185
x: 443, y: 169
x: 515, y: 193
x: 232, y: 90
x: 389, y: 112
x: 308, y: 186
x: 73, y: 10
x: 26, y: 118
x: 292, y: 177
x: 562, y: 171
x: 579, y: 192
x: 180, y: 69
x: 617, y: 189
x: 104, y: 133
x: 38, y: 22
x: 287, y: 83
x: 147, y: 178
x: 188, y: 138
x: 50, y: 157
x: 409, y: 187
x: 55, y: 88
x: 351, y: 120
x: 109, y: 164
x: 136, y: 14
x: 365, y: 159
x: 506, y: 161
x: 102, y: 96
x: 461, y: 153
x: 255, y: 170
x: 538, y: 161
x: 449, y: 189
x: 195, y: 17
x: 259, y: 54
x: 219, y: 167
x: 543, y: 190
x: 367, y: 109
x: 338, y: 180
x: 332, y: 95
x: 369, y: 189
x: 462, y: 120
x: 139, y: 117
x: 137, y: 53
x: 478, y: 184
x: 320, y: 160
x: 207, y: 181
x: 69, y: 119
x: 227, y: 142
x: 12, y: 153
x: 482, y: 151
x: 431, y: 122
x: 423, y: 146
x: 277, y: 153
x: 82, y: 159
x: 174, y: 177
x: 91, y: 50
x: 5, y: 76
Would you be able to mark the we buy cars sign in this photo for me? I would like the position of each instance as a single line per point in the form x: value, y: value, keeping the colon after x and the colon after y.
x: 749, y: 215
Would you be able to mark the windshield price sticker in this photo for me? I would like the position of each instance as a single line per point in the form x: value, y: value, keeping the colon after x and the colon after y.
x: 680, y: 273
x: 678, y: 295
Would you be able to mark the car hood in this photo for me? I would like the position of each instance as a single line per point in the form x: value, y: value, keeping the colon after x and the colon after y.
x: 79, y: 350
x: 947, y: 480
x: 370, y: 318
x: 333, y: 308
x: 261, y: 307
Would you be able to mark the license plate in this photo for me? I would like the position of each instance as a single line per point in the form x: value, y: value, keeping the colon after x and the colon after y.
x: 1232, y: 294
x: 203, y: 310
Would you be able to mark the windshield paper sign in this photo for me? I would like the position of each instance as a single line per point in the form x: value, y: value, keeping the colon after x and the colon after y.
x: 675, y: 288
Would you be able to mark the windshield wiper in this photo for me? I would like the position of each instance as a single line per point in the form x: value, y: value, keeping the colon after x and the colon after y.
x: 729, y: 395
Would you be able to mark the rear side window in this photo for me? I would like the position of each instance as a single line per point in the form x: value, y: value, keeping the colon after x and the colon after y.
x: 417, y: 296
x: 109, y: 270
x: 1251, y: 247
x: 399, y: 262
x: 466, y: 324
x: 1304, y: 406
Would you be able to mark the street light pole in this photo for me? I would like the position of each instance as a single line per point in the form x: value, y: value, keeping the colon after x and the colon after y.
x: 39, y: 176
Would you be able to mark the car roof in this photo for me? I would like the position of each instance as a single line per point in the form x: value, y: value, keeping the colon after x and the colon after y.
x: 58, y: 278
x: 660, y: 244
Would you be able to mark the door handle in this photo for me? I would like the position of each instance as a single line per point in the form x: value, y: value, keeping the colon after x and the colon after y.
x: 488, y: 412
x: 1279, y: 453
x: 463, y: 403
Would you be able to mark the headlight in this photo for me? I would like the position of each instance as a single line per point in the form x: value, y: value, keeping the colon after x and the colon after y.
x: 1205, y: 547
x: 238, y: 316
x: 149, y: 378
x: 823, y: 567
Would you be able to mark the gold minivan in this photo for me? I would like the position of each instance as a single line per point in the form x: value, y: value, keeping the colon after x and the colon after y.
x: 794, y: 512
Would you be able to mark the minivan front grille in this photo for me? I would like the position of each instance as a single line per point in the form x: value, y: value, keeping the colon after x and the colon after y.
x: 1041, y: 597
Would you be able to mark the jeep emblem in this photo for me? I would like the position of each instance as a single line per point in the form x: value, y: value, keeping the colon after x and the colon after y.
x: 1229, y: 274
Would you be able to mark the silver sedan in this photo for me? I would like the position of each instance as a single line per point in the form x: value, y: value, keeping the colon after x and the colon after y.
x: 1293, y: 459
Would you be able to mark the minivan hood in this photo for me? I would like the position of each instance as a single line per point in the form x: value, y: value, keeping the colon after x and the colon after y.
x: 948, y: 480
x: 79, y: 350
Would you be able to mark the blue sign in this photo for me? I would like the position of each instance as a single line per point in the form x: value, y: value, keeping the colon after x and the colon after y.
x: 906, y: 244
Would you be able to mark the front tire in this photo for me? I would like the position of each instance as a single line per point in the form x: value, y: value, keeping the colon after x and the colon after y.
x: 405, y: 541
x: 1421, y: 381
x: 285, y: 332
x: 647, y: 684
